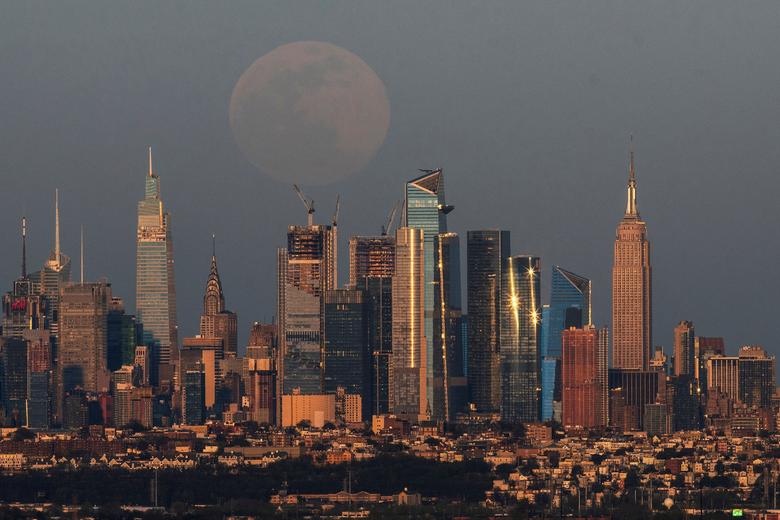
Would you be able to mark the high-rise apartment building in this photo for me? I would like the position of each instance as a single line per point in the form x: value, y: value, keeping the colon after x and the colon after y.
x: 631, y: 287
x: 408, y: 367
x: 487, y: 256
x: 521, y: 317
x: 584, y: 377
x: 704, y: 348
x: 723, y: 376
x: 216, y: 321
x: 306, y: 270
x: 427, y: 210
x: 155, y: 287
x: 684, y: 351
x: 370, y: 257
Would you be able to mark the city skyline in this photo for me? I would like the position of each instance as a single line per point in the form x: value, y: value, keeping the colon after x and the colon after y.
x: 574, y: 231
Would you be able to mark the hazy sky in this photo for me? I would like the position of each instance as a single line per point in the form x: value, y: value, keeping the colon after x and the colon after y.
x: 526, y: 105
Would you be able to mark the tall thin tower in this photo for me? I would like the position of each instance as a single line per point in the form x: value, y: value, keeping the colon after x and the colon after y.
x: 155, y: 286
x: 631, y: 287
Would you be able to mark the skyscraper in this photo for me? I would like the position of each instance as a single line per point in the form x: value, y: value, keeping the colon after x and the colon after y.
x: 631, y: 287
x: 570, y: 306
x: 216, y: 321
x: 449, y: 379
x: 306, y: 271
x: 155, y: 287
x: 684, y: 355
x: 487, y: 256
x: 756, y: 377
x: 426, y: 210
x: 584, y: 377
x: 371, y: 267
x: 347, y: 358
x: 408, y: 367
x: 83, y: 338
x: 521, y: 317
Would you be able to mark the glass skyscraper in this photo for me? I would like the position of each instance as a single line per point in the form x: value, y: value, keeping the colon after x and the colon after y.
x: 519, y: 352
x: 426, y: 210
x: 570, y: 306
x: 347, y: 358
x: 155, y: 287
x: 487, y: 255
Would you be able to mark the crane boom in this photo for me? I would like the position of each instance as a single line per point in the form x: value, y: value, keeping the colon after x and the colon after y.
x: 308, y: 203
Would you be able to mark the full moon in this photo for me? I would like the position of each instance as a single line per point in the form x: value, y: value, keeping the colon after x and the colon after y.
x: 309, y: 112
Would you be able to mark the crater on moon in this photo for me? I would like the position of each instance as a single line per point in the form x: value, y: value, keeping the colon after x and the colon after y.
x: 309, y: 112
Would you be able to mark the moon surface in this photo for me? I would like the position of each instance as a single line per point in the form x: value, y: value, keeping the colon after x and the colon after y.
x: 309, y: 112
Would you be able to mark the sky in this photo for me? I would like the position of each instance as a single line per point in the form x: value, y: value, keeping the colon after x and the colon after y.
x: 528, y: 107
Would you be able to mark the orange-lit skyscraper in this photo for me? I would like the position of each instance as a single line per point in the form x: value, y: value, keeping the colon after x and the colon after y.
x: 631, y: 287
x: 684, y: 355
x: 584, y: 377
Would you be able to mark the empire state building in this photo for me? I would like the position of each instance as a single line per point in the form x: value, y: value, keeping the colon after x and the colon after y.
x: 631, y: 287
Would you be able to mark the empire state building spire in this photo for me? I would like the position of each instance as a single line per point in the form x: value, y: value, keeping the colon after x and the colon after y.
x: 631, y: 209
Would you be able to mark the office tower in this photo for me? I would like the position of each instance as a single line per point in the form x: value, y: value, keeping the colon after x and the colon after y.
x: 756, y: 377
x: 584, y: 377
x: 427, y: 210
x: 261, y: 390
x: 262, y: 341
x: 657, y: 420
x: 142, y: 360
x: 684, y: 400
x: 449, y: 380
x: 347, y: 358
x: 723, y: 376
x: 14, y: 380
x: 123, y: 335
x: 23, y: 307
x: 704, y: 348
x: 216, y: 321
x: 370, y: 257
x: 570, y: 306
x: 83, y: 338
x: 204, y: 354
x: 684, y: 355
x: 487, y: 255
x: 193, y: 395
x: 631, y: 287
x: 520, y: 353
x: 306, y: 271
x: 408, y: 366
x: 371, y: 266
x: 637, y: 388
x: 39, y: 378
x: 155, y: 288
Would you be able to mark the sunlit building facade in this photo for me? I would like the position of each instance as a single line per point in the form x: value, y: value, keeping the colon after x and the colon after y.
x: 155, y: 287
x: 684, y: 352
x: 631, y: 288
x: 520, y: 354
x: 306, y: 270
x: 584, y: 377
x: 408, y: 366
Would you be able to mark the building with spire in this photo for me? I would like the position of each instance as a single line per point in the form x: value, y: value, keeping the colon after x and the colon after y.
x: 155, y: 287
x: 23, y: 307
x: 631, y: 287
x: 216, y: 321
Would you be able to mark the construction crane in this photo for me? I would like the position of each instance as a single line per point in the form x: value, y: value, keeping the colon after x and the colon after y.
x: 387, y: 228
x: 308, y: 203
